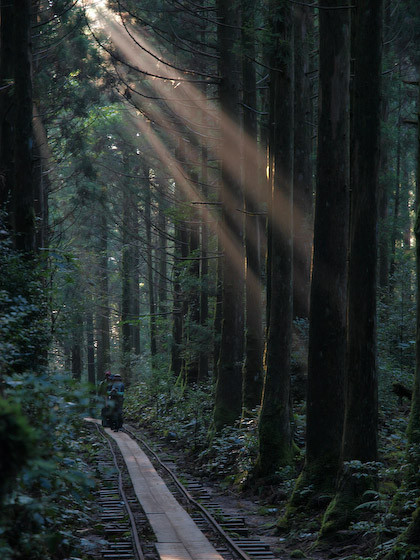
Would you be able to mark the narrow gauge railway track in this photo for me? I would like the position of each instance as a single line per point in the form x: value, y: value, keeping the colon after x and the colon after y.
x: 208, y: 515
x: 229, y: 535
x: 121, y: 526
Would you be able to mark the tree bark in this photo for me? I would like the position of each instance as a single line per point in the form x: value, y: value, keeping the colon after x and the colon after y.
x: 253, y: 366
x: 327, y: 330
x: 228, y: 397
x: 385, y: 164
x: 150, y: 283
x: 102, y: 313
x: 6, y: 103
x: 360, y: 428
x: 203, y: 360
x: 76, y: 347
x: 275, y: 440
x: 302, y: 172
x: 90, y: 348
x: 23, y: 210
x: 194, y: 294
x: 127, y: 264
x: 135, y: 327
x: 361, y: 403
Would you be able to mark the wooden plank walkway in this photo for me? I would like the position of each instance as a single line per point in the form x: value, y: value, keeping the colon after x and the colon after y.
x: 177, y: 536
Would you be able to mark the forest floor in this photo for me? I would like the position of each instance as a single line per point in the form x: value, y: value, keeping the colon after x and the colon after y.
x: 261, y: 516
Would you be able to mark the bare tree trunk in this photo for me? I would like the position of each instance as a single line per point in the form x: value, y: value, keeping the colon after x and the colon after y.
x: 275, y: 441
x: 150, y: 283
x: 203, y: 360
x: 23, y: 211
x: 102, y: 313
x: 361, y: 404
x: 302, y: 172
x: 397, y: 199
x: 253, y: 365
x: 193, y: 293
x: 76, y: 347
x: 127, y: 283
x: 6, y: 103
x: 90, y: 347
x: 228, y: 397
x: 360, y: 429
x: 327, y: 331
x: 385, y: 164
x: 135, y: 327
x: 162, y: 248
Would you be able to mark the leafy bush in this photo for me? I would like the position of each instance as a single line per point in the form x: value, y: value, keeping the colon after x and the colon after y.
x: 24, y: 332
x: 46, y: 501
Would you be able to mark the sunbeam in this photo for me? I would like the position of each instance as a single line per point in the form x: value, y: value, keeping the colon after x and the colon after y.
x: 187, y: 107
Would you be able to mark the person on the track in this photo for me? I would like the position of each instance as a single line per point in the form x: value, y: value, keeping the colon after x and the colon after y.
x: 115, y: 401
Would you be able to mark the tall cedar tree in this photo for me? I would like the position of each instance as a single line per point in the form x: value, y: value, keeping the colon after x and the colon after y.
x: 127, y: 278
x: 275, y: 441
x: 228, y: 398
x: 203, y: 366
x: 361, y: 409
x: 327, y: 330
x: 22, y: 207
x: 102, y: 311
x: 177, y: 359
x: 149, y: 260
x: 302, y: 167
x: 253, y: 365
x: 6, y: 103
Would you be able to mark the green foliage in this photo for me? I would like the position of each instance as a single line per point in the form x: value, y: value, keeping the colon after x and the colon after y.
x: 24, y: 335
x: 17, y: 441
x: 46, y: 501
x: 183, y: 414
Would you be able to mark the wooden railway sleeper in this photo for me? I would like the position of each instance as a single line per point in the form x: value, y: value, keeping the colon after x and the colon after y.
x: 233, y: 529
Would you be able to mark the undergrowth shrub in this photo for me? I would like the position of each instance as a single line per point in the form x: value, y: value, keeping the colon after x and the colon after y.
x: 46, y: 502
x: 24, y: 330
x: 182, y: 414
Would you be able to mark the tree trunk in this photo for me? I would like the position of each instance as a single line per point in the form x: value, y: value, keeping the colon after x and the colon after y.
x: 23, y: 211
x: 275, y: 442
x: 217, y: 324
x: 395, y: 235
x: 127, y: 265
x: 76, y: 347
x: 360, y: 430
x: 203, y: 359
x: 102, y: 313
x: 385, y: 165
x: 135, y: 327
x: 90, y: 348
x: 6, y: 103
x: 193, y: 293
x: 253, y: 366
x: 361, y: 411
x: 228, y: 397
x: 41, y: 181
x: 327, y: 330
x: 163, y: 247
x: 302, y: 172
x: 150, y: 283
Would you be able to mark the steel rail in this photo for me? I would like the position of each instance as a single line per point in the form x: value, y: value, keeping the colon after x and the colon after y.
x: 219, y: 529
x: 136, y: 540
